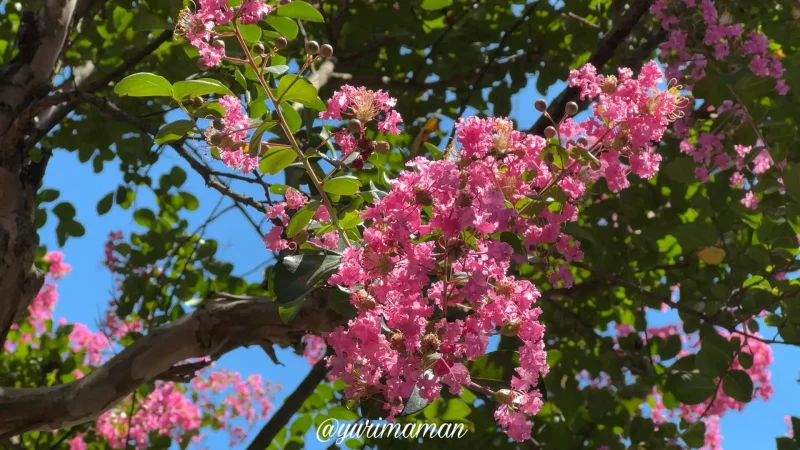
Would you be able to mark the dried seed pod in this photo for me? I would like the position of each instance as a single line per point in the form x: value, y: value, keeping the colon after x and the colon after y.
x: 571, y: 108
x: 326, y: 51
x: 312, y: 47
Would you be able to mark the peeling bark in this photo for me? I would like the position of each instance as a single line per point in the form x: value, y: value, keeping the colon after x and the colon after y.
x: 222, y: 325
x: 41, y: 40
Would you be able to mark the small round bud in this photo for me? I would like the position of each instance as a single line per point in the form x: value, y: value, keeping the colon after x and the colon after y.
x: 312, y: 47
x: 354, y: 125
x: 504, y: 396
x: 197, y: 102
x: 381, y: 147
x: 365, y: 301
x: 218, y: 44
x: 540, y: 105
x: 423, y: 197
x: 550, y: 132
x: 430, y: 343
x: 218, y: 124
x: 571, y: 108
x: 595, y: 165
x: 259, y: 49
x: 201, y: 66
x: 397, y: 341
x: 326, y: 51
x: 227, y: 142
x: 215, y: 139
x: 281, y: 43
x: 583, y: 142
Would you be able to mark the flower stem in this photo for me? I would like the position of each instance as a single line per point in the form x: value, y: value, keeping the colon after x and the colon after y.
x: 290, y: 136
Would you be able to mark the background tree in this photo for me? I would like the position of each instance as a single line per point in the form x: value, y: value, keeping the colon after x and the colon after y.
x: 712, y: 237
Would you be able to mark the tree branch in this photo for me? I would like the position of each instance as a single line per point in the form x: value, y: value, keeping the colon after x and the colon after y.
x: 290, y: 406
x: 223, y: 324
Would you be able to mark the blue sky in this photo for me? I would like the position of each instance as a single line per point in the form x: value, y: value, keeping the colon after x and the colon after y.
x: 86, y: 291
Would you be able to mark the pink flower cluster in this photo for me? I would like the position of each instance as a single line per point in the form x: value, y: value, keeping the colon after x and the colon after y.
x: 685, y: 49
x: 278, y: 212
x: 630, y: 116
x: 361, y: 106
x: 233, y: 135
x: 431, y: 280
x: 198, y: 26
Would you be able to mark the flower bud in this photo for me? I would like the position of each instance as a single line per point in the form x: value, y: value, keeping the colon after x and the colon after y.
x: 281, y: 43
x: 218, y: 124
x: 422, y: 197
x: 571, y: 108
x: 312, y: 47
x: 227, y: 142
x: 197, y: 102
x: 550, y: 132
x: 381, y: 147
x: 504, y: 396
x: 354, y: 125
x: 540, y: 105
x: 583, y: 142
x: 365, y: 301
x: 326, y: 51
x: 397, y: 342
x: 215, y: 139
x: 201, y: 66
x: 430, y: 343
x: 218, y: 44
x: 259, y: 49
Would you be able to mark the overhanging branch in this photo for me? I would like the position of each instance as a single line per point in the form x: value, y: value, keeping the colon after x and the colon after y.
x: 223, y: 324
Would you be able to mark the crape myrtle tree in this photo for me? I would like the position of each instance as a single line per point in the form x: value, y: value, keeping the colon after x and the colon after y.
x: 434, y: 262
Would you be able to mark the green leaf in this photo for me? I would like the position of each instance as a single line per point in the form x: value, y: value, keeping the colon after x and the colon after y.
x: 681, y: 170
x: 297, y: 89
x: 301, y: 218
x: 791, y: 180
x: 738, y: 385
x: 255, y: 140
x: 746, y: 360
x: 280, y: 69
x: 346, y: 185
x: 300, y: 10
x: 455, y: 409
x: 292, y: 117
x: 276, y: 159
x: 641, y: 429
x: 144, y: 217
x: 104, y: 205
x: 144, y: 84
x: 433, y: 5
x: 690, y: 388
x: 495, y: 369
x: 173, y: 131
x: 283, y: 25
x: 196, y: 88
x: 695, y: 435
x: 297, y: 275
x: 177, y: 176
x: 250, y: 32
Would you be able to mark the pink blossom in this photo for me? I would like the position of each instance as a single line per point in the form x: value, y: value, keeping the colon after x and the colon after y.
x: 750, y: 200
